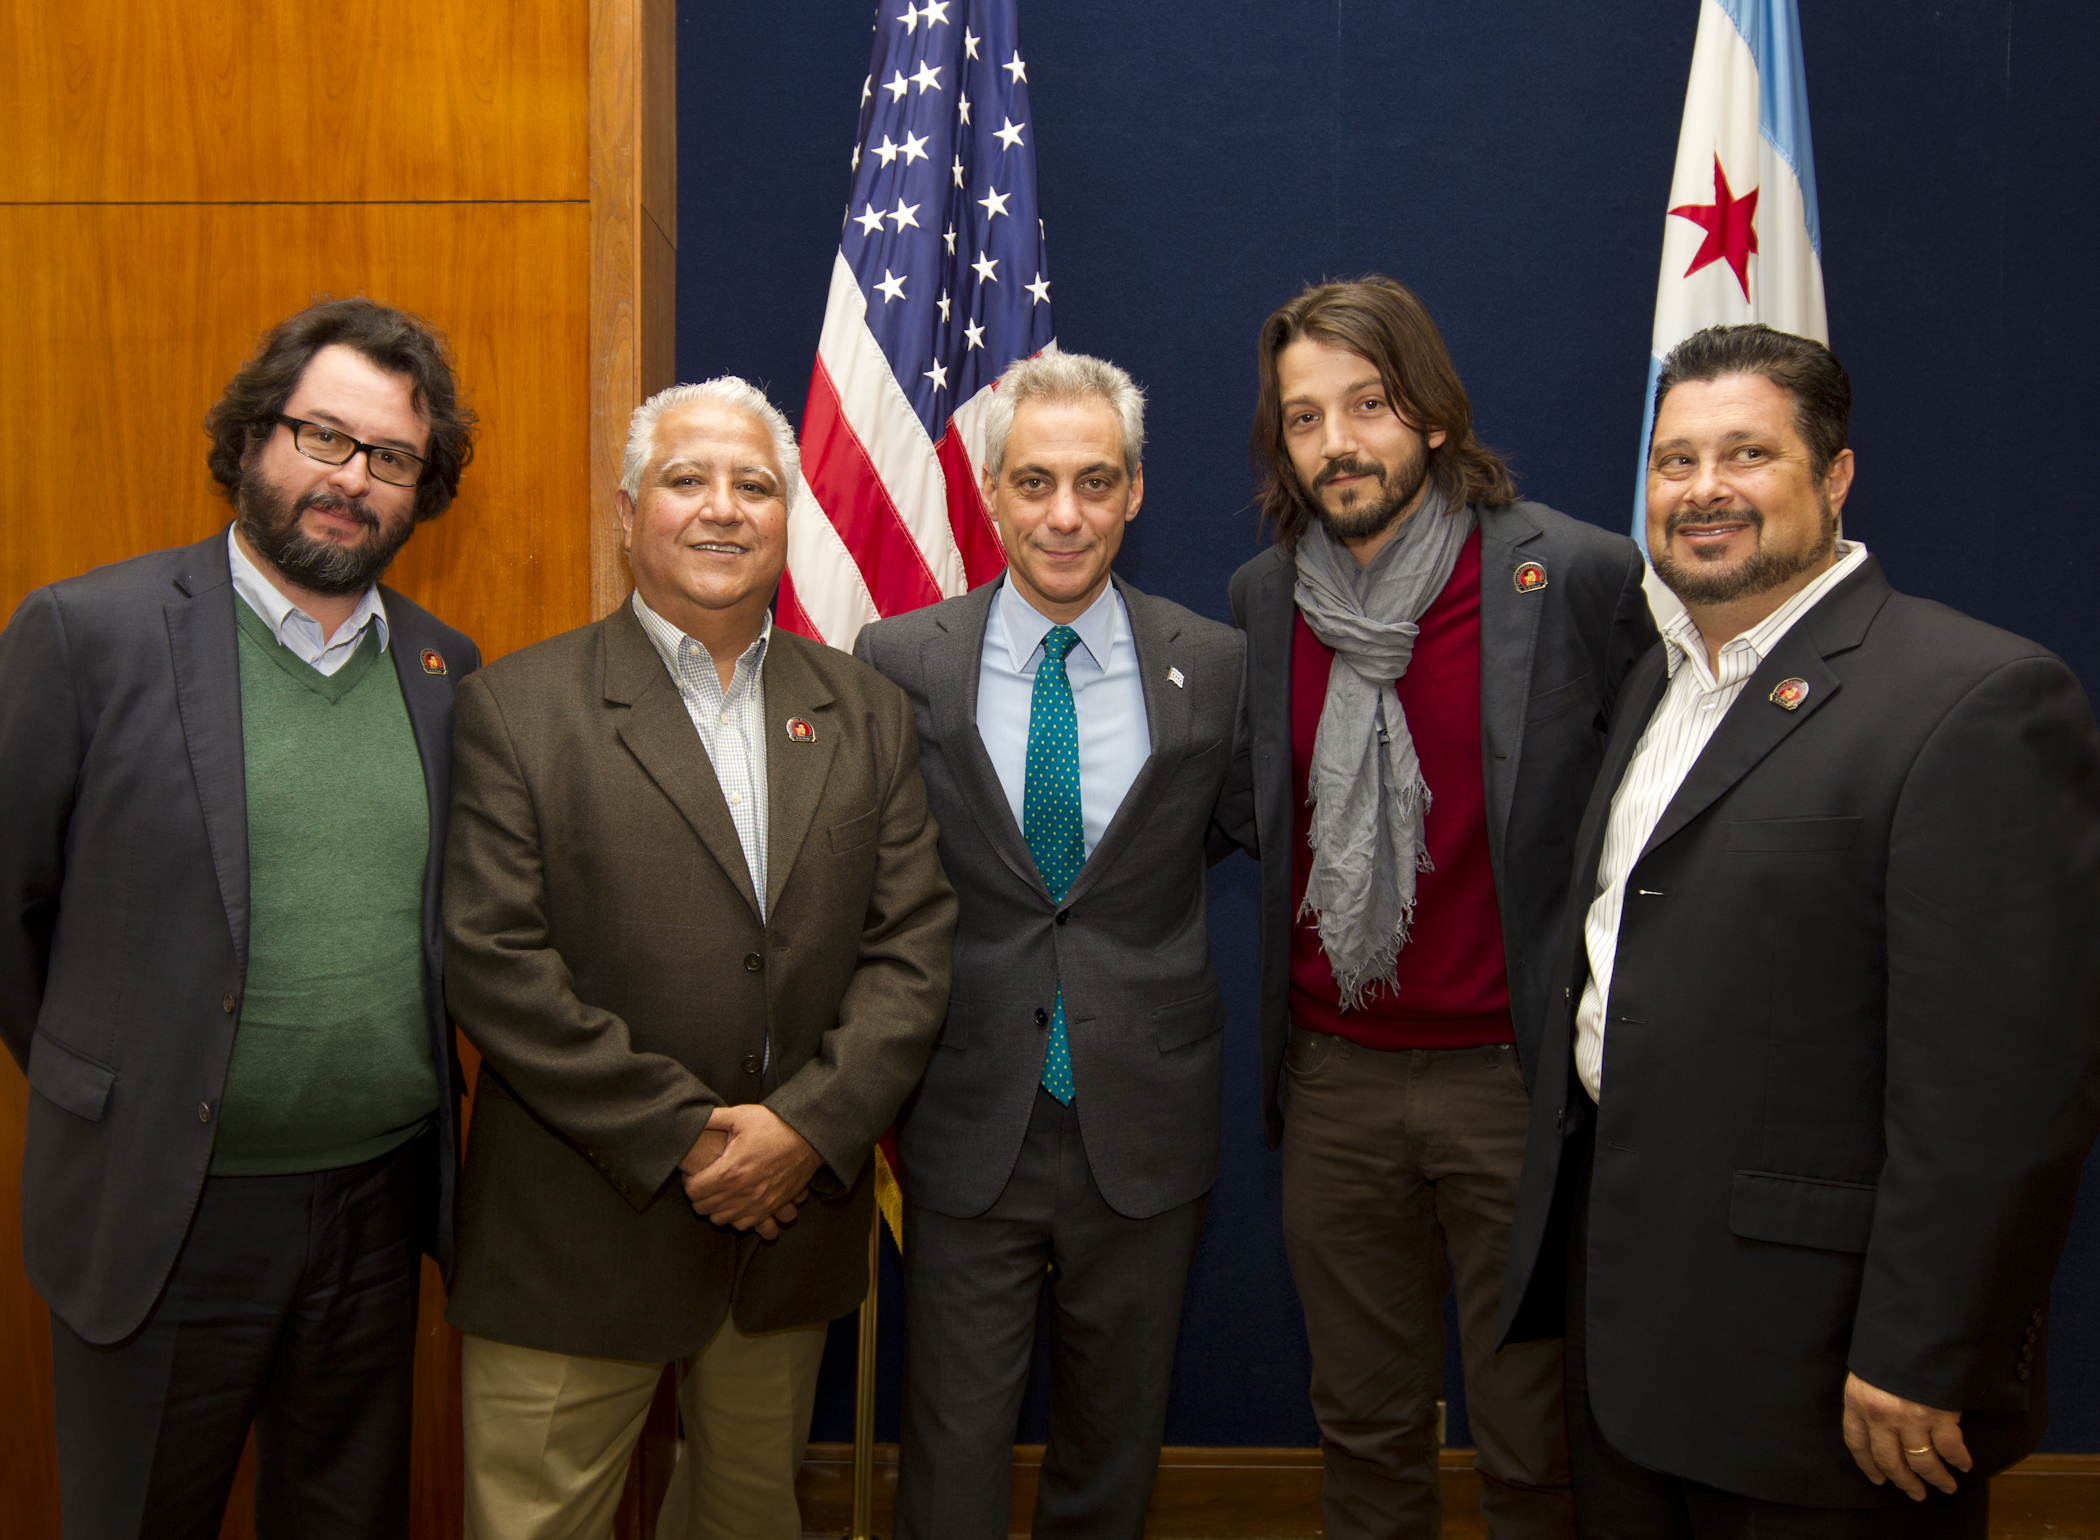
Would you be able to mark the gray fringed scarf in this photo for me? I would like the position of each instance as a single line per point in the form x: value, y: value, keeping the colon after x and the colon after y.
x: 1366, y: 789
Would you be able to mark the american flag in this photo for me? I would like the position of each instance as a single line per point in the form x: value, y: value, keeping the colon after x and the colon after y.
x: 939, y: 284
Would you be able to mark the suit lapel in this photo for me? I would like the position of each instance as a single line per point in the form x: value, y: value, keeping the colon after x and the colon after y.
x: 1509, y: 630
x: 795, y: 769
x: 1272, y: 612
x: 951, y: 661
x: 1756, y: 724
x: 207, y: 663
x: 660, y: 734
x: 1166, y: 719
x: 1638, y: 698
x: 428, y: 697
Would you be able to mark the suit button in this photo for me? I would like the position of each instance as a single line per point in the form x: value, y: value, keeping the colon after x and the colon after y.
x: 2030, y: 1334
x: 2023, y: 1372
x: 2027, y: 1354
x: 753, y: 963
x: 229, y: 1002
x: 1042, y: 1017
x: 204, y: 1112
x: 2036, y: 1316
x: 751, y: 1064
x: 1063, y: 915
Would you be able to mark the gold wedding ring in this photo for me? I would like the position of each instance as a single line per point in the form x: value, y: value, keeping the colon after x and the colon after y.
x: 1921, y: 1449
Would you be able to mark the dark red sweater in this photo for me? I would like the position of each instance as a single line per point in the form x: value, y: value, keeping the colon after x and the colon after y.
x: 1454, y: 992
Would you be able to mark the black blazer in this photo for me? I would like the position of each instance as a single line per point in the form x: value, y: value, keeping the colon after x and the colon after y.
x: 1130, y: 942
x: 1852, y: 1056
x: 124, y: 875
x: 1551, y: 658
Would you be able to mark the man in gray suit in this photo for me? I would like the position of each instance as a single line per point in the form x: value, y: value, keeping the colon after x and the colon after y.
x: 1431, y: 668
x: 227, y: 775
x: 1078, y: 738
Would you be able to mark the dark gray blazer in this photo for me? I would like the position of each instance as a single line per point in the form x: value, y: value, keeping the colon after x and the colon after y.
x: 1852, y: 1067
x: 1131, y: 942
x: 1551, y: 659
x: 124, y: 873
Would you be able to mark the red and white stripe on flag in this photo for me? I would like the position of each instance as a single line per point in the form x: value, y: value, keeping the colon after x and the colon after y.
x: 938, y: 284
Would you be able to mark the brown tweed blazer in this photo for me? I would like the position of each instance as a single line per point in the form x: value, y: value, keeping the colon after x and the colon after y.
x: 604, y: 952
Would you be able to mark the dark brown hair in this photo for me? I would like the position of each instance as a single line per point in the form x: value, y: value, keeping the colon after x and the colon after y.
x: 1382, y: 321
x: 1801, y: 366
x: 394, y: 341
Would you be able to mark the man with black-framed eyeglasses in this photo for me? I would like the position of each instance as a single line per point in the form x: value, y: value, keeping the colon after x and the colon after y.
x: 228, y: 772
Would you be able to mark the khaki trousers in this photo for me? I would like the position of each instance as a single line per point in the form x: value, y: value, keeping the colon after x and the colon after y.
x: 549, y: 1437
x: 1400, y: 1179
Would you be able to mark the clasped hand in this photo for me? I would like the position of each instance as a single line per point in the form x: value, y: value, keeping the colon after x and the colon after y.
x: 748, y: 1170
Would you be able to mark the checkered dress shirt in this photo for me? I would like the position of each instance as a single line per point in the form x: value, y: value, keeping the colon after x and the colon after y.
x: 731, y: 726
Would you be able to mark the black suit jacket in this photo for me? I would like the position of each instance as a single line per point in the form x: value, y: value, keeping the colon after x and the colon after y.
x: 124, y: 871
x: 1130, y: 942
x: 1551, y: 658
x: 1852, y: 1055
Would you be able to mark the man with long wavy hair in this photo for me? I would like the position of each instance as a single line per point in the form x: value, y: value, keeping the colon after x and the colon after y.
x: 227, y: 774
x: 1431, y: 668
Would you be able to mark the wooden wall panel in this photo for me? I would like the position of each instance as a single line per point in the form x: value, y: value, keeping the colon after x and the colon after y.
x: 183, y: 101
x: 112, y: 301
x: 179, y: 177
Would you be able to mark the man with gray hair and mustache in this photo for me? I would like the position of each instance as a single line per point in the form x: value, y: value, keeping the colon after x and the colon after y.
x: 1081, y: 741
x: 700, y: 934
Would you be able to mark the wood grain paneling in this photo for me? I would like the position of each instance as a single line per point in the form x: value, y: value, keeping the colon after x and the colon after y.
x: 136, y: 317
x: 633, y: 255
x: 179, y: 177
x: 360, y: 101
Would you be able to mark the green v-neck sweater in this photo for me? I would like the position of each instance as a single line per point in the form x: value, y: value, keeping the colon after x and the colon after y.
x: 331, y: 1057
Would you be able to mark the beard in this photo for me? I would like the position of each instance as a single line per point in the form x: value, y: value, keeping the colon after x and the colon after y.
x: 272, y: 526
x: 1699, y: 582
x: 1396, y: 489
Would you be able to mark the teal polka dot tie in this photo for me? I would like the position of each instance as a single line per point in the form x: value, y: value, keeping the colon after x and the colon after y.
x: 1050, y: 817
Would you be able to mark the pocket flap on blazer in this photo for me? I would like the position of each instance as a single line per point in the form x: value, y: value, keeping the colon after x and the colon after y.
x: 1189, y: 1021
x: 1802, y: 1211
x: 63, y: 1077
x: 1779, y: 836
x: 955, y: 1026
x: 855, y: 832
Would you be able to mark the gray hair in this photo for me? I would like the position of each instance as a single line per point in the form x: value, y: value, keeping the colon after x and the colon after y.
x: 1065, y: 377
x: 725, y: 389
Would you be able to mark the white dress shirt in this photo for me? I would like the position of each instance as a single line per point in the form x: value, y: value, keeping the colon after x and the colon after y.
x: 1692, y: 706
x: 296, y: 630
x: 1108, y: 701
x: 731, y: 725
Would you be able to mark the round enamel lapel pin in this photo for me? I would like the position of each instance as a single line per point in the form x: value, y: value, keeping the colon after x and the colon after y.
x: 1529, y: 578
x: 800, y: 731
x: 1788, y: 694
x: 432, y: 663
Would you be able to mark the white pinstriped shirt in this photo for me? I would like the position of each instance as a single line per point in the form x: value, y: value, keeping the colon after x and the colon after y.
x: 1691, y: 708
x: 731, y: 725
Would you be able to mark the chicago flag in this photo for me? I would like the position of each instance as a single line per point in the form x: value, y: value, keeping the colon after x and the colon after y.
x: 938, y: 285
x: 1741, y: 239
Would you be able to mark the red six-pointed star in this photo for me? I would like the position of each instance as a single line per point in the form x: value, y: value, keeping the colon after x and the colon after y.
x: 1729, y: 223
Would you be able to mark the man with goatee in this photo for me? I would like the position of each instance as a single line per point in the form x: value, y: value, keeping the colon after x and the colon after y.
x: 226, y: 770
x: 1432, y: 666
x: 1821, y: 1067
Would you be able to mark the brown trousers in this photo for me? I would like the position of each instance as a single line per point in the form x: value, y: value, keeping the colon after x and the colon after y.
x: 1399, y: 1180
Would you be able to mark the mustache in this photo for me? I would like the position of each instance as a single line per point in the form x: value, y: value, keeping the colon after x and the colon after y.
x: 342, y: 507
x: 1336, y: 468
x: 1743, y: 515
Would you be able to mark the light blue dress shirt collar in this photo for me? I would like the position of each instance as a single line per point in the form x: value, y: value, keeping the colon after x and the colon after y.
x: 298, y: 632
x: 1024, y: 626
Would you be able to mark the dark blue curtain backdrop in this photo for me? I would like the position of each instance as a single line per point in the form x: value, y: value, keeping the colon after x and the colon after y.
x: 1511, y: 161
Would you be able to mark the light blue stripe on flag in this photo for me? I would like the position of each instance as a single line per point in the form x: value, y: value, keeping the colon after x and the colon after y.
x: 1772, y: 31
